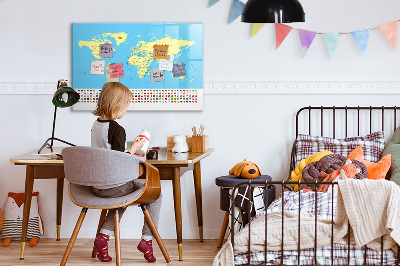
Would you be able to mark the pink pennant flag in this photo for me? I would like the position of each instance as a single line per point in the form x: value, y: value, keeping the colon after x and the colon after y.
x: 389, y: 30
x: 306, y: 39
x: 281, y: 31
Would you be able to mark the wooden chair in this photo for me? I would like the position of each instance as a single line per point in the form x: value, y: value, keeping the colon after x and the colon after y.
x: 85, y: 167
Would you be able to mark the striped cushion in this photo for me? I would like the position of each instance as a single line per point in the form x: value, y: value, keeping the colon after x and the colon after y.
x: 372, y: 145
x: 13, y: 228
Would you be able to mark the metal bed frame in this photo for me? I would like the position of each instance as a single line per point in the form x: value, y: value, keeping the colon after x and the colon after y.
x: 284, y: 184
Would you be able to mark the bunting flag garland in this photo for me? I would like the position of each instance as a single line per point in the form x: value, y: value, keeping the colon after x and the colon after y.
x: 332, y: 41
x: 256, y: 27
x: 389, y: 30
x: 213, y: 2
x: 281, y: 31
x: 306, y: 39
x: 237, y: 9
x: 361, y: 37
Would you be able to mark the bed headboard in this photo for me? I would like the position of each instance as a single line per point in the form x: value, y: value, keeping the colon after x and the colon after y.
x: 344, y: 121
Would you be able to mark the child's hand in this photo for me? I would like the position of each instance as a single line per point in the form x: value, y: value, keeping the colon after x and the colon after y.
x: 143, y: 155
x: 137, y: 144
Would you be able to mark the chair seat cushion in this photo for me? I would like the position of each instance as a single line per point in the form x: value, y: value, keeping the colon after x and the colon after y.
x: 83, y: 195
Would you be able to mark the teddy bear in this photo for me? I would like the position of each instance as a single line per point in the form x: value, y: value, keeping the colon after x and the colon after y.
x: 13, y: 215
x: 245, y: 169
x: 180, y: 144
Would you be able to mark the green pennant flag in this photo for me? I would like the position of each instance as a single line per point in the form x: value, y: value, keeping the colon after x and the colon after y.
x: 332, y: 41
x: 213, y: 2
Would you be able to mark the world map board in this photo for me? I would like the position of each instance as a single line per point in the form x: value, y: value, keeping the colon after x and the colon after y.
x: 162, y: 63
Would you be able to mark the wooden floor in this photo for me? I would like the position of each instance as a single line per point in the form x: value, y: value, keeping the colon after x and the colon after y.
x: 50, y: 252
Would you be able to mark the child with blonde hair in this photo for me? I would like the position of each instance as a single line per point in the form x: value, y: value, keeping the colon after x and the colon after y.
x: 113, y: 102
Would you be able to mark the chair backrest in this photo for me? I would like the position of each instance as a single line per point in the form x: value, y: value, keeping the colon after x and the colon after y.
x: 91, y: 166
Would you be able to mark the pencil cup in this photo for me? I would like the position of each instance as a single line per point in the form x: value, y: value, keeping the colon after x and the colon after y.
x: 200, y: 143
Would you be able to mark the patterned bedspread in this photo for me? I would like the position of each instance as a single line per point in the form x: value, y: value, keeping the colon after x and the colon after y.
x: 306, y: 202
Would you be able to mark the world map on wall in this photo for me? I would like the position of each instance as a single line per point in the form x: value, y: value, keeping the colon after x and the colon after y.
x: 132, y: 48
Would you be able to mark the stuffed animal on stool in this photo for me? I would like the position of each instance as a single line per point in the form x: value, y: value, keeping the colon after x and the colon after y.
x: 13, y: 215
x: 245, y: 169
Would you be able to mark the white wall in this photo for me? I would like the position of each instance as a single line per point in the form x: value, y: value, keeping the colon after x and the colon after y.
x: 35, y: 46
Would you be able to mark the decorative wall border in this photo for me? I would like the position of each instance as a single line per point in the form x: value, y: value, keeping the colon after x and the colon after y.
x: 244, y: 87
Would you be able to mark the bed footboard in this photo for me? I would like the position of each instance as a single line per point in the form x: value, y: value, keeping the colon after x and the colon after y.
x: 309, y: 256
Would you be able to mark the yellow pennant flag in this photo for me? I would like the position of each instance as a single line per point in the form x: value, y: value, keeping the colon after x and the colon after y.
x: 256, y: 27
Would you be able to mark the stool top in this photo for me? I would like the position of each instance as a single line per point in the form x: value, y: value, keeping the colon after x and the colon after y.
x: 230, y: 181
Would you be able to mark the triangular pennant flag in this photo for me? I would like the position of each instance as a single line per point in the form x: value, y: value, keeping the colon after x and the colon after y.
x: 306, y: 39
x: 332, y: 41
x: 389, y: 30
x: 237, y: 9
x: 213, y: 2
x: 256, y: 27
x: 281, y: 31
x: 361, y: 37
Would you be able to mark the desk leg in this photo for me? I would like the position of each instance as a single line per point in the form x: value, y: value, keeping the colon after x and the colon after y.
x: 27, y: 206
x: 199, y: 204
x: 176, y: 182
x: 60, y: 190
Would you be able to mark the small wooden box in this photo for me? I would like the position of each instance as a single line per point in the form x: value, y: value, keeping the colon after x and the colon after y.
x: 171, y: 143
x: 200, y: 143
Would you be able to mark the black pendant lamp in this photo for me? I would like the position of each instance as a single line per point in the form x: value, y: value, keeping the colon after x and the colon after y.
x: 273, y: 11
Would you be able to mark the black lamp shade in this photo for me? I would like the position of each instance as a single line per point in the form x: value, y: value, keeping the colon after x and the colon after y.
x: 273, y: 11
x: 65, y: 96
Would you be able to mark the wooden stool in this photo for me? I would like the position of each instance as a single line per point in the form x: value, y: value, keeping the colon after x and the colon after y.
x: 226, y: 183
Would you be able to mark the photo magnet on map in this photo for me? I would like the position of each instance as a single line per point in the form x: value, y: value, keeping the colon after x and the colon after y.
x: 106, y: 50
x: 157, y: 75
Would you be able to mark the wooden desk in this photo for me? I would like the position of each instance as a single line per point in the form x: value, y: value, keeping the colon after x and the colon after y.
x: 171, y: 167
x: 40, y: 167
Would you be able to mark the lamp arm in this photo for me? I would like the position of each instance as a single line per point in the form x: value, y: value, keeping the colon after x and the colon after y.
x: 61, y: 87
x: 54, y: 126
x: 46, y: 143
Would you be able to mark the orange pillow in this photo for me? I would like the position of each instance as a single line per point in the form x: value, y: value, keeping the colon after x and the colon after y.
x: 375, y: 170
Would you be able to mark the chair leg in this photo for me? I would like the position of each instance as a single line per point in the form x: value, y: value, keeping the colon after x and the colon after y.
x: 154, y: 230
x: 117, y: 238
x: 73, y: 237
x: 101, y: 222
x: 223, y: 229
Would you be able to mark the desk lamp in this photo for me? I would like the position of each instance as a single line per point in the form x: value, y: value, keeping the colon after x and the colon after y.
x: 63, y: 97
x: 273, y: 11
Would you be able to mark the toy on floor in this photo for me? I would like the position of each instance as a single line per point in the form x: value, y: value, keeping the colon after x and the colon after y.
x: 245, y: 169
x: 13, y: 215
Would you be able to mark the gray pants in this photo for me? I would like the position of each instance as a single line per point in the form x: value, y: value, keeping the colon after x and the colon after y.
x: 154, y: 208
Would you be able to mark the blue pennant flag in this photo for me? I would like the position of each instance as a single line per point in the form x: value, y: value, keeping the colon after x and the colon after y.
x: 213, y: 2
x: 332, y: 41
x: 361, y: 38
x: 237, y: 9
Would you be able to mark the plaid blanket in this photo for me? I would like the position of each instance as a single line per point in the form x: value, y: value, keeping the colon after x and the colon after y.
x: 324, y: 257
x: 323, y: 205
